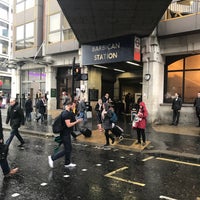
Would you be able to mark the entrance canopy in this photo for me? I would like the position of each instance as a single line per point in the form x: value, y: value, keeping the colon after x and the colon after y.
x: 94, y: 20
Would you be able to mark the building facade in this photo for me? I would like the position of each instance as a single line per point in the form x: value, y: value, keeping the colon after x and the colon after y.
x: 46, y: 50
x: 5, y: 48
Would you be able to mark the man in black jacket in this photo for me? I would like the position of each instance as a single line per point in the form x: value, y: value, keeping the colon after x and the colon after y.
x: 176, y: 107
x: 16, y: 117
x: 197, y: 106
x: 4, y: 163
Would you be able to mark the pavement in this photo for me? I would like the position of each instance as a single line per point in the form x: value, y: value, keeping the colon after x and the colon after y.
x: 182, y: 141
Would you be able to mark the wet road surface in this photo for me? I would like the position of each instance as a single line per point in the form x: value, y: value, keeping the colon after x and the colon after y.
x: 101, y: 174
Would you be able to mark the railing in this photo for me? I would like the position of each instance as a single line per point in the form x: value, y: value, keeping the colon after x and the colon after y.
x: 181, y: 8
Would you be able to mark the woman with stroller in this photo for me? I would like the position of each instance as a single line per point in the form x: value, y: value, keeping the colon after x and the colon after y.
x: 107, y: 123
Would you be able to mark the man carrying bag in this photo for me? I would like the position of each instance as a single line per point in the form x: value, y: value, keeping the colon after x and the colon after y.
x: 4, y: 151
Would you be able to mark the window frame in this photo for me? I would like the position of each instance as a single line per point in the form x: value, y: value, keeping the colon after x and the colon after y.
x: 170, y: 60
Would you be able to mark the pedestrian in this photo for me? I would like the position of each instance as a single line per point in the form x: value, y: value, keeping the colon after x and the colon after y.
x: 4, y: 163
x: 98, y: 110
x: 15, y: 116
x: 105, y: 98
x: 128, y: 101
x: 176, y: 107
x: 197, y: 106
x: 69, y: 122
x: 107, y: 123
x: 81, y: 110
x: 65, y: 98
x: 141, y: 124
x: 28, y: 108
x: 41, y: 109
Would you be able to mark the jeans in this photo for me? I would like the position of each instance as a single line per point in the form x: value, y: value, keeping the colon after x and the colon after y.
x: 66, y: 140
x: 41, y: 116
x: 14, y: 132
x: 82, y: 115
x: 4, y: 166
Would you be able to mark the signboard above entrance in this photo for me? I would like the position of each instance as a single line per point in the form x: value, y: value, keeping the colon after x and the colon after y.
x: 110, y: 51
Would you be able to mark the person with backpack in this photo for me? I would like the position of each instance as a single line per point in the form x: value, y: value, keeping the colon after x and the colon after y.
x: 69, y: 121
x: 3, y: 161
x: 15, y: 116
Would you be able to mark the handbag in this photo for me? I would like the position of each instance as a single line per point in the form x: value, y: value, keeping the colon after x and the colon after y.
x: 3, y: 151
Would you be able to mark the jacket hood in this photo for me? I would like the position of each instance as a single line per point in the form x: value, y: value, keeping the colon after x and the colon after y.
x: 142, y: 104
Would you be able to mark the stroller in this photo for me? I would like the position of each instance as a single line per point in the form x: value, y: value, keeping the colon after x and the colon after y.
x: 117, y: 131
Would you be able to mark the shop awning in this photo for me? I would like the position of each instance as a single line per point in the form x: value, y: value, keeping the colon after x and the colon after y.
x: 94, y: 20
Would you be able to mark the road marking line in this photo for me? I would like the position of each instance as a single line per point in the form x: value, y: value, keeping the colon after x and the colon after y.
x: 165, y: 197
x: 149, y: 158
x: 110, y: 175
x: 180, y: 162
x: 125, y: 180
x: 118, y: 170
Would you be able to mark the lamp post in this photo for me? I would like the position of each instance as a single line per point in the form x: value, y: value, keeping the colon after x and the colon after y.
x: 73, y: 78
x: 20, y: 63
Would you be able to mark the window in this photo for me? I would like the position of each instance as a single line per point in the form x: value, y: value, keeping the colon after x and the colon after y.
x: 25, y: 36
x: 22, y: 5
x: 183, y: 77
x: 3, y: 47
x: 4, y: 12
x: 3, y: 29
x: 59, y: 29
x: 29, y: 4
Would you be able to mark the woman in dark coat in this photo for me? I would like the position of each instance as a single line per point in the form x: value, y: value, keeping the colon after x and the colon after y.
x: 142, y: 114
x: 107, y: 124
x: 99, y: 109
x: 28, y: 108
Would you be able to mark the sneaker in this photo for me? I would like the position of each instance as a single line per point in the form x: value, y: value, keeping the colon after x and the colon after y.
x: 12, y: 172
x: 21, y: 145
x: 138, y: 143
x: 70, y: 165
x: 50, y: 161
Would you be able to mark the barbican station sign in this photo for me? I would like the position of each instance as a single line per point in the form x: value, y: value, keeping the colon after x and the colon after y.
x: 111, y: 51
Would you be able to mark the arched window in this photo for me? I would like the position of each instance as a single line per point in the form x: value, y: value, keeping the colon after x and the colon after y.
x: 182, y: 76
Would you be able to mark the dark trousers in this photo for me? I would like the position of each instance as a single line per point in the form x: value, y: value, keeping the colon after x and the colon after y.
x: 28, y: 116
x: 4, y: 166
x: 107, y: 135
x: 176, y: 115
x: 66, y: 140
x: 14, y: 132
x: 141, y: 132
x: 198, y: 114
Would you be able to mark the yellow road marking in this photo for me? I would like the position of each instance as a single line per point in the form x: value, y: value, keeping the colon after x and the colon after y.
x: 118, y: 170
x: 149, y: 158
x: 110, y: 175
x: 180, y: 162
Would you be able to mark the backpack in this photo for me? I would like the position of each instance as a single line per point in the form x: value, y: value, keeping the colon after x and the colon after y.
x: 57, y: 125
x: 114, y: 118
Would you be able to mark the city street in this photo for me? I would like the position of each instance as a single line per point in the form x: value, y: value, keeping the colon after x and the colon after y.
x: 101, y: 174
